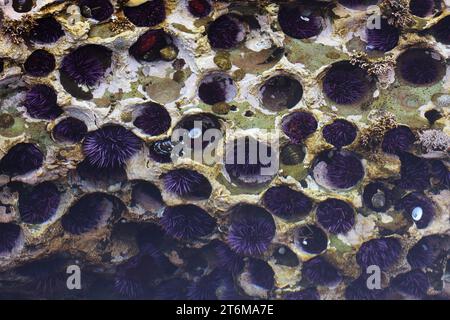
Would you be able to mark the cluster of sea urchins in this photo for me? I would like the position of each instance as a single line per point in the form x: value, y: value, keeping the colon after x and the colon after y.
x: 218, y: 254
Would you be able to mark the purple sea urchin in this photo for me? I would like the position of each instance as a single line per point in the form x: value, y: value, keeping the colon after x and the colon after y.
x: 40, y: 102
x: 99, y: 10
x: 172, y: 289
x: 153, y: 119
x: 359, y: 290
x: 187, y: 222
x: 71, y: 130
x: 383, y: 252
x: 299, y: 22
x: 421, y: 67
x: 227, y: 259
x: 414, y: 283
x: 110, y: 146
x: 422, y: 8
x: 40, y: 203
x: 384, y: 38
x: 225, y: 32
x: 261, y: 273
x: 147, y: 14
x: 87, y: 64
x: 345, y: 83
x: 187, y: 183
x: 414, y: 173
x: 426, y: 251
x: 217, y: 285
x: 286, y: 203
x: 281, y: 92
x: 149, y: 45
x: 335, y: 215
x: 376, y: 197
x: 399, y: 139
x: 305, y: 294
x: 299, y: 125
x: 21, y: 159
x: 441, y: 30
x: 418, y: 208
x: 9, y: 234
x: 339, y: 133
x: 132, y: 276
x: 88, y: 212
x: 320, y: 272
x: 311, y: 239
x: 251, y: 231
x: 216, y: 87
x: 39, y: 63
x: 199, y: 8
x: 46, y: 30
x: 101, y: 176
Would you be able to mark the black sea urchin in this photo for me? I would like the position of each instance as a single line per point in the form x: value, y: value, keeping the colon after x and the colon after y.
x: 46, y: 30
x: 110, y: 146
x: 199, y: 8
x: 311, y: 239
x: 9, y: 235
x: 149, y: 45
x: 340, y: 133
x: 335, y: 215
x: 148, y: 14
x: 225, y: 32
x: 21, y: 159
x: 441, y: 30
x: 40, y: 102
x: 320, y: 272
x: 99, y: 10
x: 87, y: 64
x: 261, y: 273
x: 299, y: 125
x: 418, y: 208
x: 39, y: 63
x: 421, y: 67
x: 287, y: 203
x: 414, y: 283
x: 40, y: 203
x: 187, y: 183
x: 251, y: 231
x: 299, y: 22
x: 377, y: 197
x: 383, y: 252
x: 187, y: 222
x: 88, y: 212
x: 281, y: 92
x: 384, y: 38
x: 153, y: 119
x: 71, y: 130
x: 399, y: 139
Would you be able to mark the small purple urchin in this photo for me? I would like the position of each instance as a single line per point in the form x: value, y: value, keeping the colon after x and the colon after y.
x: 399, y: 139
x: 340, y: 133
x: 227, y: 259
x: 46, y: 30
x: 225, y: 32
x: 87, y: 64
x: 216, y: 87
x: 441, y: 30
x: 414, y: 283
x: 440, y: 172
x: 9, y: 235
x: 422, y: 8
x: 199, y: 8
x: 299, y: 125
x: 101, y: 176
x: 418, y: 208
x: 148, y: 14
x: 40, y: 203
x: 287, y: 203
x: 153, y: 119
x: 426, y: 251
x: 422, y: 67
x: 382, y: 39
x: 39, y: 63
x: 377, y: 197
x: 414, y: 173
x: 132, y: 276
x: 71, y: 130
x: 251, y: 231
x: 359, y: 290
x: 345, y: 83
x: 320, y: 272
x: 187, y: 222
x: 172, y: 289
x: 110, y: 146
x: 335, y: 215
x: 261, y: 273
x: 311, y: 239
x: 305, y: 294
x: 383, y: 252
x: 343, y: 169
x: 187, y: 183
x: 40, y: 102
x: 281, y: 92
x: 357, y: 4
x: 149, y: 45
x: 21, y: 159
x: 299, y: 22
x: 99, y: 10
x: 88, y: 212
